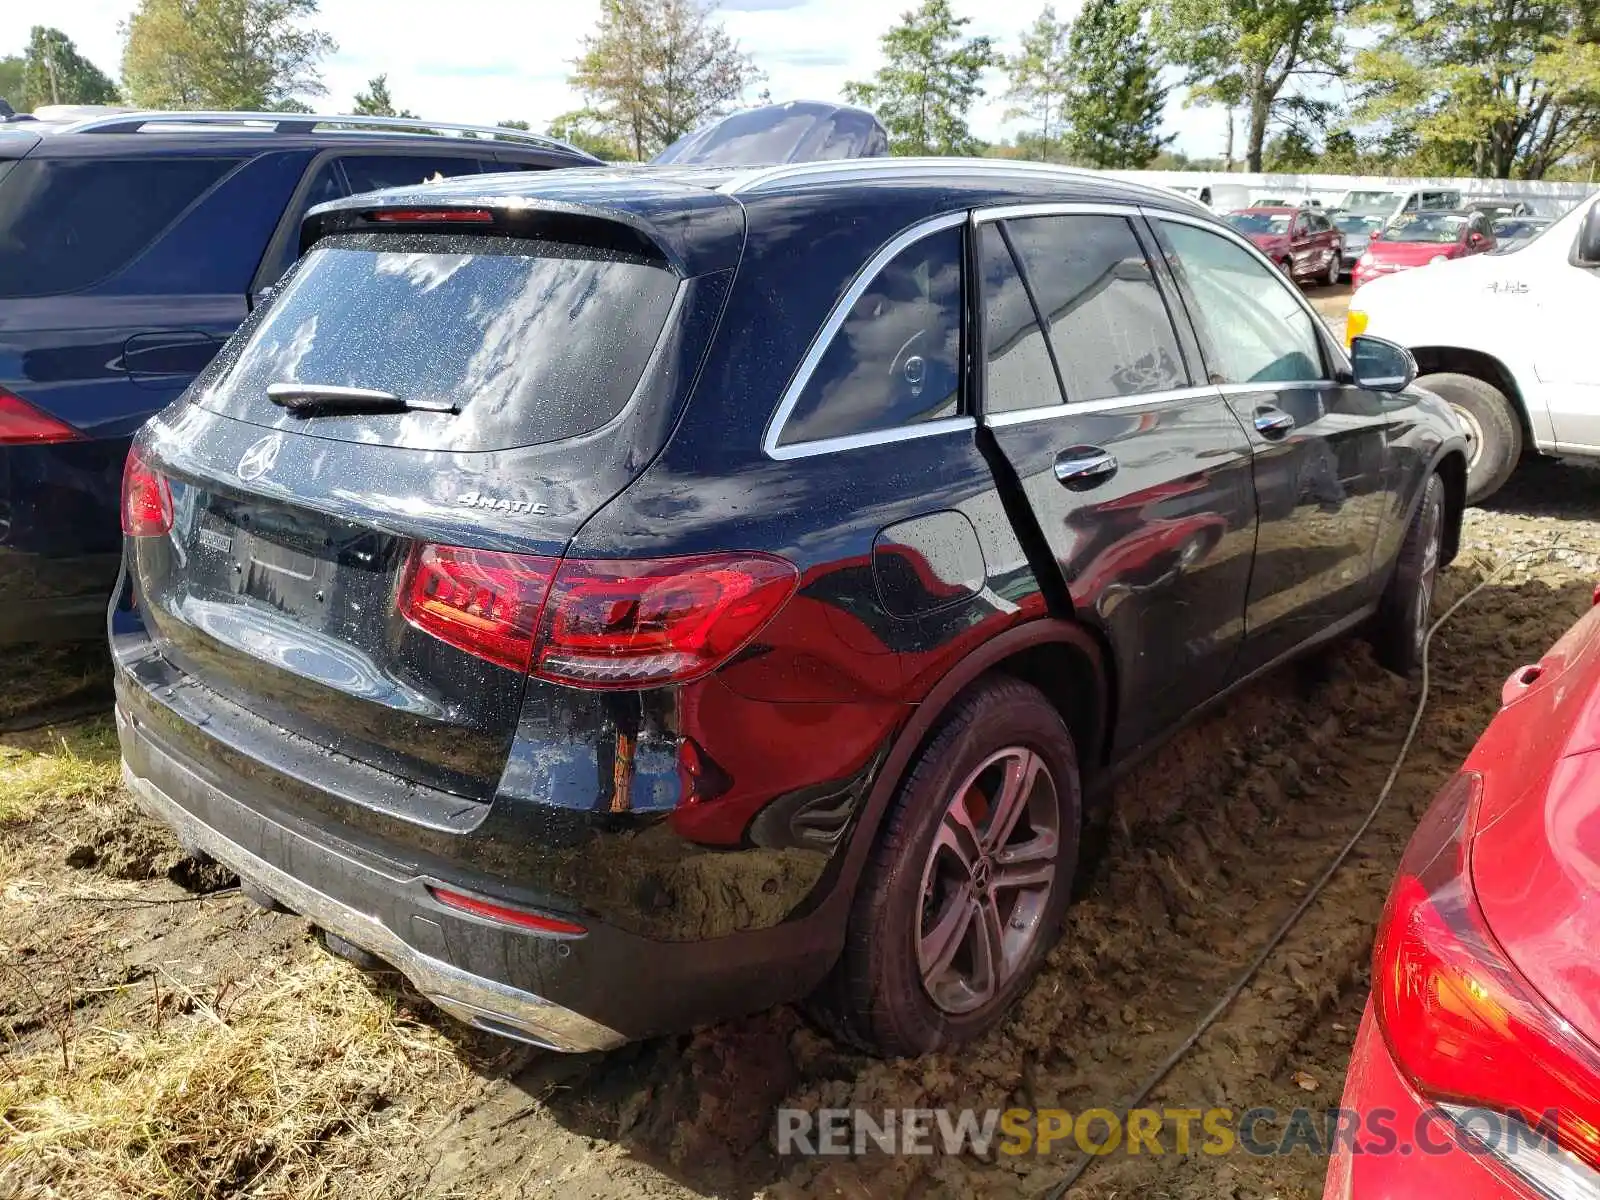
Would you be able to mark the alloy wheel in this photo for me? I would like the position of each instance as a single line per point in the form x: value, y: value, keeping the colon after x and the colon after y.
x: 987, y: 883
x: 1474, y: 432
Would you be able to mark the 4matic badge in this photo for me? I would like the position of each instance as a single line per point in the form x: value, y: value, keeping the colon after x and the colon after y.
x: 517, y: 508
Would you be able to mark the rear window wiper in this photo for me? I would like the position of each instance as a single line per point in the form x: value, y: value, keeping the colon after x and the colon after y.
x: 315, y: 399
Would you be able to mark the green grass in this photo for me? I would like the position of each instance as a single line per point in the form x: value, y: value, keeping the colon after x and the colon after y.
x: 77, y: 764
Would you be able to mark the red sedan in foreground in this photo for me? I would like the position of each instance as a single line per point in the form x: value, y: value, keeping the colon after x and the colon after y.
x: 1418, y: 239
x: 1476, y: 1072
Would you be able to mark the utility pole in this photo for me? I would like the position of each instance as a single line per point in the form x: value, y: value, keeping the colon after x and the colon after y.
x: 50, y: 70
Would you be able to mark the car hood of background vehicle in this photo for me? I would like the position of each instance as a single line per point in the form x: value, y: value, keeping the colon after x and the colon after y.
x: 1269, y: 241
x: 1411, y: 253
x: 1536, y: 849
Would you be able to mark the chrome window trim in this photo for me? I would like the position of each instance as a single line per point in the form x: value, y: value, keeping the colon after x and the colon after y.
x: 1087, y: 208
x: 824, y: 339
x: 1083, y: 408
x: 1276, y: 385
x: 875, y: 437
x: 1212, y: 225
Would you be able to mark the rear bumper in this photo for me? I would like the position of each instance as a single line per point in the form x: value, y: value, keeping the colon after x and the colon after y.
x: 475, y: 999
x: 45, y: 599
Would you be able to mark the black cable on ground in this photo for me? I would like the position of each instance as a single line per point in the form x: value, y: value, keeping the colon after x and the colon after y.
x: 1283, y: 930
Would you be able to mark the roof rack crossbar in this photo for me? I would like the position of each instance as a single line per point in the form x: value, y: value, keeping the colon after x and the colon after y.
x: 305, y: 123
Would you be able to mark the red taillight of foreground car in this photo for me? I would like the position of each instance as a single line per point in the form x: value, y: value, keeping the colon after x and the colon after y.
x: 480, y: 601
x: 146, y: 499
x: 1461, y: 1023
x: 21, y: 424
x: 595, y: 623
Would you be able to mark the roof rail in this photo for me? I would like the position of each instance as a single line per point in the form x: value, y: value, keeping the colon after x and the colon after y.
x: 770, y: 178
x: 135, y: 122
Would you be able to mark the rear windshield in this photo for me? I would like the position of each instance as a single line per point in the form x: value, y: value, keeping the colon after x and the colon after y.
x: 66, y: 224
x: 533, y: 341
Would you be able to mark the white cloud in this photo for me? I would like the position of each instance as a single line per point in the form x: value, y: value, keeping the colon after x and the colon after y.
x: 482, y: 61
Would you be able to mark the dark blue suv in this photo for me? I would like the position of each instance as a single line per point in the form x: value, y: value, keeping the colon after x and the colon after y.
x: 131, y: 246
x: 623, y: 599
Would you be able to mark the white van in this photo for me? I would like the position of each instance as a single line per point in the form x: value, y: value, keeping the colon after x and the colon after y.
x: 1389, y: 203
x: 1505, y: 339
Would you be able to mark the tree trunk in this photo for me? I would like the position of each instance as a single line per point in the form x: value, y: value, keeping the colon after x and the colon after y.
x: 1260, y: 107
x: 1227, y: 153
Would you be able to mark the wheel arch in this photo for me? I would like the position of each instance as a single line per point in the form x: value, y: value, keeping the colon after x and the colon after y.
x: 1431, y: 360
x: 1063, y: 659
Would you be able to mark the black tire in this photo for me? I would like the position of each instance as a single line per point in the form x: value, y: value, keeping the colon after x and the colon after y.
x: 876, y: 998
x: 1335, y: 270
x: 1494, y: 433
x: 1286, y: 265
x: 1404, y: 612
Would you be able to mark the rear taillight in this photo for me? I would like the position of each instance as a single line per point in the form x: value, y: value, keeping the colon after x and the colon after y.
x: 628, y: 623
x: 596, y: 623
x: 1461, y: 1023
x: 479, y: 601
x: 146, y: 499
x: 21, y: 424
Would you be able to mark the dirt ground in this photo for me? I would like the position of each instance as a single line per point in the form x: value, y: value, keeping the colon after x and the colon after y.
x: 164, y: 1038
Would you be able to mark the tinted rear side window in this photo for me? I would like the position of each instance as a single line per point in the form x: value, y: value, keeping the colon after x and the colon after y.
x: 534, y: 341
x: 1109, y: 327
x: 66, y: 224
x: 1018, y: 373
x: 896, y: 359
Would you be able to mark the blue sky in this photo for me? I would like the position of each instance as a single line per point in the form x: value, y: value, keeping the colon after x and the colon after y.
x: 480, y: 61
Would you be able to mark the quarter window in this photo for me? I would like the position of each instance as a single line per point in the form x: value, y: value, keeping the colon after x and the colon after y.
x: 55, y: 234
x: 1018, y: 373
x: 1255, y: 329
x: 896, y: 359
x: 1108, y: 324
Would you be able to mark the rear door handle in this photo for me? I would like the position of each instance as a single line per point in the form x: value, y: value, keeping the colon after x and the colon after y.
x: 1273, y: 422
x: 1084, y: 467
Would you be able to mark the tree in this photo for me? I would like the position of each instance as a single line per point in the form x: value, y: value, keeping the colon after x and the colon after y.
x: 222, y: 54
x: 11, y: 81
x: 1249, y: 53
x: 1115, y: 99
x: 375, y: 101
x: 1040, y: 73
x: 587, y: 130
x: 1498, y: 87
x: 928, y: 82
x: 53, y: 72
x: 655, y: 69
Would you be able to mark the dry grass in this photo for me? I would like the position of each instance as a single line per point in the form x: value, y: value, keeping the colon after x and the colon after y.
x: 300, y: 1076
x: 228, y: 1058
x: 78, y: 765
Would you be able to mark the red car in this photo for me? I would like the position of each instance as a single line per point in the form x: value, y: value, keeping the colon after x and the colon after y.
x: 1417, y: 239
x: 1302, y: 241
x: 1476, y: 1072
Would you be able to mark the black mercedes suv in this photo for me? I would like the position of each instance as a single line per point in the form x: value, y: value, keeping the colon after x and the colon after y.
x: 623, y: 599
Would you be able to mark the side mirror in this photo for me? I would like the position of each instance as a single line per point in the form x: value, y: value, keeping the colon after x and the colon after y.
x: 1381, y: 366
x: 1587, y: 252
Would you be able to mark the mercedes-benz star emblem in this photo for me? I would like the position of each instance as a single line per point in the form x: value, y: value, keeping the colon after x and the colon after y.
x: 259, y: 458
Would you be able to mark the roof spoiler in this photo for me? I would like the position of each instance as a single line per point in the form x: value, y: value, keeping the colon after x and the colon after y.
x: 614, y: 230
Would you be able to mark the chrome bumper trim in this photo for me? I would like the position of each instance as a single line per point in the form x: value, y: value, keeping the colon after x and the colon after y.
x: 485, y: 1003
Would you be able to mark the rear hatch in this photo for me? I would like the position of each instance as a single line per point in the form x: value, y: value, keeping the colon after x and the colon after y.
x: 301, y: 565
